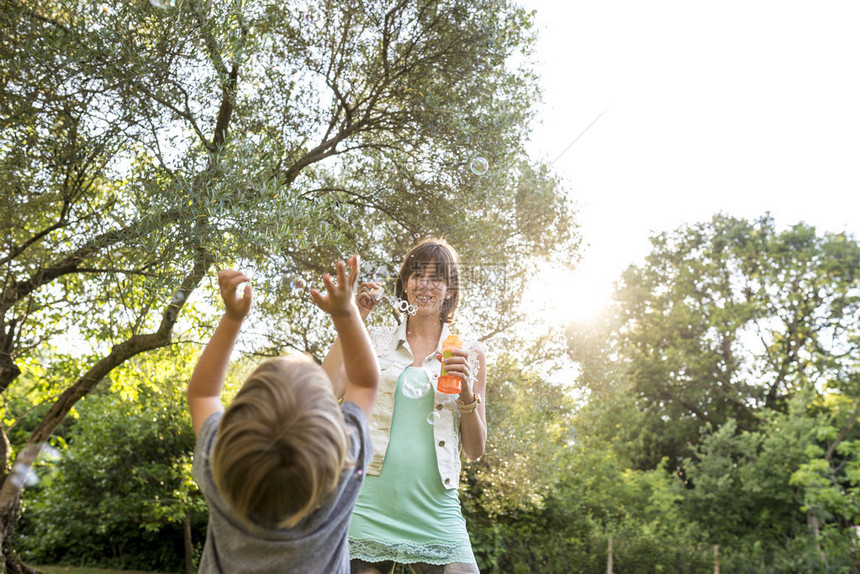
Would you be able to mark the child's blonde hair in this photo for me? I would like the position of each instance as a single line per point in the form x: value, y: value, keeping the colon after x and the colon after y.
x: 282, y: 444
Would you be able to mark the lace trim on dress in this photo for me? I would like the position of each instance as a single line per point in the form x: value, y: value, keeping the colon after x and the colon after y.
x: 408, y: 552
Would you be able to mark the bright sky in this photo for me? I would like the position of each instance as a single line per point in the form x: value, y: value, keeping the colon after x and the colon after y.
x: 739, y: 107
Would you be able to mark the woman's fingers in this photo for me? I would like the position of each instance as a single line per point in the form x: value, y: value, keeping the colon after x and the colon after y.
x: 456, y: 366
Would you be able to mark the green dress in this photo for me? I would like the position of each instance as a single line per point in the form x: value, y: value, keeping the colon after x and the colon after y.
x: 405, y: 514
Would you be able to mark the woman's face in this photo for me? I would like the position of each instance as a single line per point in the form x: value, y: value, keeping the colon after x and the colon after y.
x: 426, y: 289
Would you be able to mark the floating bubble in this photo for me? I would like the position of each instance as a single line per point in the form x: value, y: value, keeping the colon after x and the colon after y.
x: 415, y: 384
x: 286, y: 281
x: 479, y: 165
x: 177, y: 298
x: 416, y: 235
x: 290, y: 279
x: 49, y: 454
x: 433, y: 417
x: 426, y: 212
x: 165, y: 4
x: 381, y: 274
x: 22, y: 473
x: 377, y: 293
x: 403, y: 306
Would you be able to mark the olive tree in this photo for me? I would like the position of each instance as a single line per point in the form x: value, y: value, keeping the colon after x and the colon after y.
x: 143, y: 144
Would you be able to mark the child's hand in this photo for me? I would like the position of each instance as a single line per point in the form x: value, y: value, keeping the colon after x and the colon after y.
x: 235, y: 307
x: 338, y: 300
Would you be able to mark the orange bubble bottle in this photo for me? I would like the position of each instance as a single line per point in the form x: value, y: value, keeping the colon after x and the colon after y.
x: 449, y: 384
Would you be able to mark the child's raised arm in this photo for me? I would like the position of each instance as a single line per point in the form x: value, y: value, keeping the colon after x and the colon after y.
x: 207, y: 380
x: 359, y: 361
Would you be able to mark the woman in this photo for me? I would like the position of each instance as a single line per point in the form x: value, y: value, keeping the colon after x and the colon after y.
x: 409, y: 511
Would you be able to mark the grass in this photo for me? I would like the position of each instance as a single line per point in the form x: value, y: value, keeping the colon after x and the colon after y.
x: 76, y: 570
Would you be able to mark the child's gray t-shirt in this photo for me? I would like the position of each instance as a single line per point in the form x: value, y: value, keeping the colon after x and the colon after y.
x: 317, y: 544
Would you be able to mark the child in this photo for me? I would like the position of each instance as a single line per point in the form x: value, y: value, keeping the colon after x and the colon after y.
x: 281, y: 467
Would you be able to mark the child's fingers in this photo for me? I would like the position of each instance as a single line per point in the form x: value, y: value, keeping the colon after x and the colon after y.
x: 329, y: 285
x: 341, y: 273
x: 228, y: 276
x: 229, y: 280
x: 354, y: 266
x: 245, y: 303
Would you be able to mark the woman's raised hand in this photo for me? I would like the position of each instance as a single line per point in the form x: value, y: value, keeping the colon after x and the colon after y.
x: 366, y: 299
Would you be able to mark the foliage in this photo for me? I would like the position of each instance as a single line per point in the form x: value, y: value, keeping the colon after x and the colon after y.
x: 530, y: 424
x: 595, y: 500
x: 724, y: 319
x: 122, y: 485
x: 731, y: 355
x: 740, y: 483
x: 142, y: 148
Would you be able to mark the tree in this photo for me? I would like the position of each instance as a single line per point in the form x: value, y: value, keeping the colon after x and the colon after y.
x: 142, y: 146
x: 121, y: 491
x: 731, y: 353
x: 829, y: 477
x: 723, y: 320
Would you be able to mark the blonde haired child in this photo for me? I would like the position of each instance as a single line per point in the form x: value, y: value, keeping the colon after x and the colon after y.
x: 282, y: 466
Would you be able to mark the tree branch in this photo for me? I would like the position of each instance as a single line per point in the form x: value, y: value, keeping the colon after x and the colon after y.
x: 20, y: 289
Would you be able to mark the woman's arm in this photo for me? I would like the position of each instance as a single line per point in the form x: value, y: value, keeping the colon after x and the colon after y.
x: 473, y: 425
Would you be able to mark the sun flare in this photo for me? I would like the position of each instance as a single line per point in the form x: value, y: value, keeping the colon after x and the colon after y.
x: 561, y: 296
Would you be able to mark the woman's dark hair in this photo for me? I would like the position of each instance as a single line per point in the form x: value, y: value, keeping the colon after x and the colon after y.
x: 433, y: 251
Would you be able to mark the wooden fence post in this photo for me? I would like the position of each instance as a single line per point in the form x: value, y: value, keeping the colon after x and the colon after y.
x: 609, y: 558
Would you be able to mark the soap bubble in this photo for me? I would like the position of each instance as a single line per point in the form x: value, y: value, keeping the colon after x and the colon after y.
x: 415, y: 384
x: 479, y: 166
x: 381, y: 274
x: 22, y: 473
x: 402, y: 305
x: 416, y: 235
x: 433, y: 417
x: 163, y: 3
x: 290, y: 279
x: 177, y: 298
x: 49, y: 454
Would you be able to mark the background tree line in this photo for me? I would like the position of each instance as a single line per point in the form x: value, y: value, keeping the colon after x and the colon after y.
x: 571, y: 466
